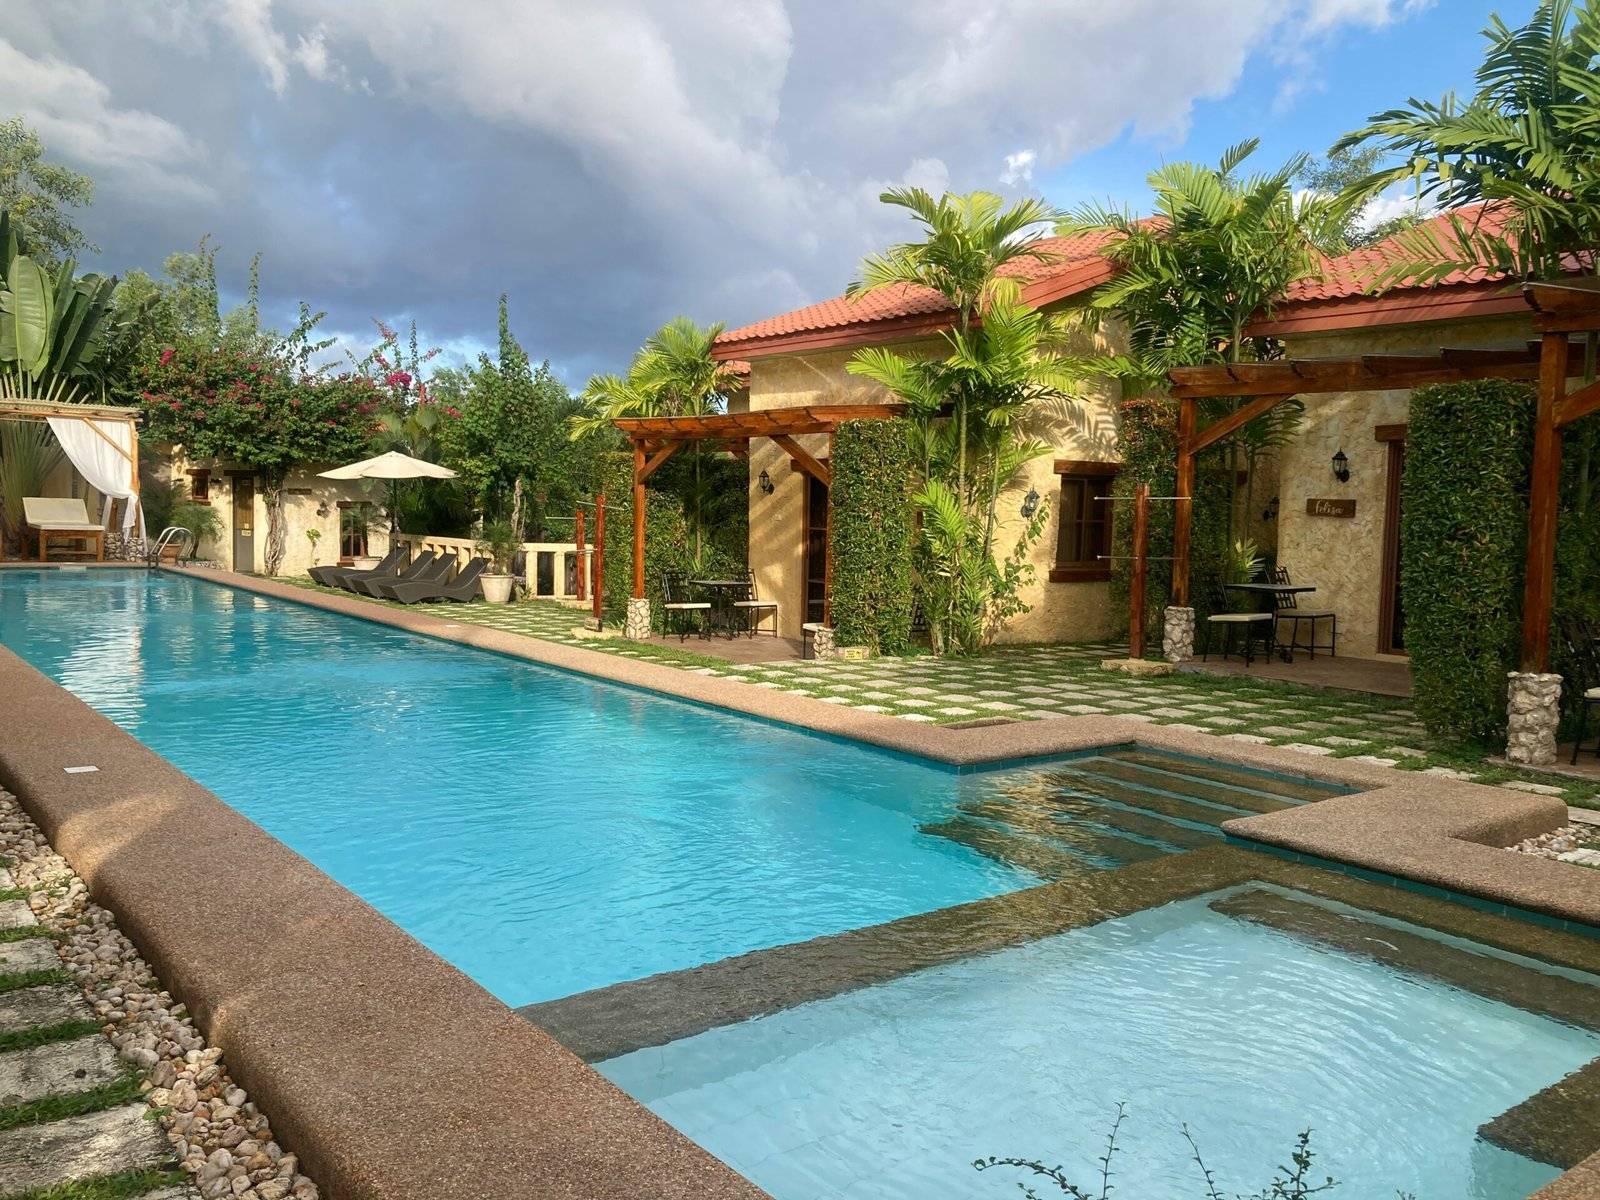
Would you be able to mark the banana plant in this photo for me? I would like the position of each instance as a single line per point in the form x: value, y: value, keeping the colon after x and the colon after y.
x: 59, y: 336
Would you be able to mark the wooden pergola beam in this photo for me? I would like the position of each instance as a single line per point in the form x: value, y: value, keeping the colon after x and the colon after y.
x: 1577, y: 405
x: 803, y: 459
x: 1235, y: 420
x: 656, y: 460
x: 1371, y: 372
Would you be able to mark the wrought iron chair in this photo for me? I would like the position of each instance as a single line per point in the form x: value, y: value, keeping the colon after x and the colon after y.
x: 754, y: 609
x: 1250, y: 624
x: 1583, y: 652
x: 1285, y: 608
x: 680, y: 608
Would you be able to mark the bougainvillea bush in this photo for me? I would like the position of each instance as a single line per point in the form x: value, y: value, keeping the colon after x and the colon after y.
x: 264, y: 412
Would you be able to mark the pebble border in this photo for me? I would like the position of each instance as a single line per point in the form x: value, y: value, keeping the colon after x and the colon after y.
x: 218, y: 1135
x: 1578, y: 844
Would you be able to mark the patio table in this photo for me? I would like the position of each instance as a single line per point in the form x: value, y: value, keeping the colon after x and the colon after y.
x: 722, y: 593
x: 1286, y: 653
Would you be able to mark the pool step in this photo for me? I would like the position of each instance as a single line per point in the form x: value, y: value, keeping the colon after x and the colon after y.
x: 1035, y: 855
x: 1285, y: 789
x: 1080, y: 786
x: 1091, y: 841
x: 1057, y: 807
x: 1163, y: 779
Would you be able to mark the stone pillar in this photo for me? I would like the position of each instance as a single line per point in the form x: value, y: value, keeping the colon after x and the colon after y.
x: 822, y: 645
x: 1533, y: 710
x: 1177, y: 634
x: 637, y: 623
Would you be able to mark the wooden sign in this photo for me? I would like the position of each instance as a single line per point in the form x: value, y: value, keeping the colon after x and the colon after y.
x: 1331, y: 508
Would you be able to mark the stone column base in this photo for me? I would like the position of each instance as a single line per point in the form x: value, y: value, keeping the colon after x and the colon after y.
x: 822, y: 643
x: 1177, y: 634
x: 1533, y: 710
x: 637, y: 623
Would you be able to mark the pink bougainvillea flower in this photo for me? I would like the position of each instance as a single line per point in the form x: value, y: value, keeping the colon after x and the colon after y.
x: 166, y: 355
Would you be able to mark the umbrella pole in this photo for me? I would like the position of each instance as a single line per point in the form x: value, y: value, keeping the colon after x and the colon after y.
x: 394, y: 514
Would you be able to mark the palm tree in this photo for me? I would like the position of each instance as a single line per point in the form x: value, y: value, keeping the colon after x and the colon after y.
x: 672, y: 375
x: 1218, y: 251
x: 1526, y: 145
x: 969, y: 240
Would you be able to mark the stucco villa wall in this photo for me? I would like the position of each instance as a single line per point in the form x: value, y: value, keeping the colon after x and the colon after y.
x: 1343, y: 558
x: 1084, y: 430
x: 304, y: 494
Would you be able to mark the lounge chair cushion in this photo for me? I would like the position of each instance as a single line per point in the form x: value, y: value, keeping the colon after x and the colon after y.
x: 1240, y: 618
x: 56, y: 513
x: 688, y: 604
x: 1592, y: 694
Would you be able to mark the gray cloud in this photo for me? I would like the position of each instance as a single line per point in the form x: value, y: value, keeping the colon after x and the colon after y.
x: 610, y: 164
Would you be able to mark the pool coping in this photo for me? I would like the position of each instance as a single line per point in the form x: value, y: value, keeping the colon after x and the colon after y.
x: 1439, y: 832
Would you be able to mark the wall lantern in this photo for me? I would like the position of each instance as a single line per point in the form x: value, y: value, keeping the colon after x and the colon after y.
x: 764, y: 481
x: 1341, y: 467
x: 1270, y: 513
x: 1030, y: 504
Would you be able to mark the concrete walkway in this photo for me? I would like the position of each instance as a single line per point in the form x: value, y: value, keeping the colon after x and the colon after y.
x: 69, y: 1108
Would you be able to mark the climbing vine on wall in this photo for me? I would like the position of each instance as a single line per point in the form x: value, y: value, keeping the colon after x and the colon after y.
x: 872, y: 530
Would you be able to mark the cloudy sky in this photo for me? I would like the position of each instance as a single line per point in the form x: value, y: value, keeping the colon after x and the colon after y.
x: 613, y: 163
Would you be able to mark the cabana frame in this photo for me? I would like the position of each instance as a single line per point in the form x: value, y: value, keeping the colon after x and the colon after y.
x: 656, y: 439
x: 14, y: 408
x: 1560, y: 311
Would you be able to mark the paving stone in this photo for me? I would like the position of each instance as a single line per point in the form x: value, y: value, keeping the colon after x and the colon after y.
x: 27, y: 1008
x: 1146, y: 718
x: 1348, y: 720
x: 1084, y: 710
x: 1405, y: 752
x: 1332, y: 740
x: 1316, y: 726
x: 1182, y: 728
x: 1040, y: 714
x: 30, y: 954
x: 1000, y: 694
x: 1227, y: 722
x: 1170, y: 712
x: 920, y: 691
x: 1126, y: 703
x: 998, y: 706
x: 872, y: 708
x: 1283, y: 730
x: 102, y: 1143
x: 1253, y: 739
x: 836, y: 699
x: 15, y: 914
x: 914, y: 703
x: 922, y: 717
x: 1450, y: 773
x: 956, y: 712
x: 1375, y: 760
x: 1538, y: 789
x: 959, y: 698
x: 1303, y: 748
x: 61, y: 1068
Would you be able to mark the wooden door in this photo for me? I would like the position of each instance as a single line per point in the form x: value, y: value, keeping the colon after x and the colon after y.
x: 1391, y: 603
x: 244, y: 523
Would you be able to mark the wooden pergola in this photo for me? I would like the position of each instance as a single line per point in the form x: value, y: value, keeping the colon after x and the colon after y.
x: 1561, y: 310
x: 657, y: 439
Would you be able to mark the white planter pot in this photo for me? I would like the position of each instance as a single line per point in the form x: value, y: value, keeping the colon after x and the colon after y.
x: 496, y: 588
x: 365, y: 562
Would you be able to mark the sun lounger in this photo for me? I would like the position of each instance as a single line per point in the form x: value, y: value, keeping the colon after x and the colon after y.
x: 60, y: 519
x: 330, y: 576
x: 359, y: 583
x: 434, y: 574
x: 461, y: 589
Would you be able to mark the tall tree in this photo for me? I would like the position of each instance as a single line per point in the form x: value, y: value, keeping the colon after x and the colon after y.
x: 1336, y: 175
x: 38, y: 193
x: 1527, y: 143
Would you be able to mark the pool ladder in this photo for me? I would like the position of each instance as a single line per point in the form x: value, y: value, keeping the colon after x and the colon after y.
x: 173, y: 535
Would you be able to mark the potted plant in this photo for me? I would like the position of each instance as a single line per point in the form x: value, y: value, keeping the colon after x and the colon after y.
x: 1242, y: 564
x: 497, y: 541
x: 199, y: 519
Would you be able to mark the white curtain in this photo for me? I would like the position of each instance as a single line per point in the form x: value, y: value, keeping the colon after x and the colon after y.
x: 103, y: 453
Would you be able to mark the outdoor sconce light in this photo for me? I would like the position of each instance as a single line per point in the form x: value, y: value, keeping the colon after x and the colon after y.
x: 1030, y: 504
x: 322, y: 509
x: 1271, y: 511
x: 764, y: 482
x: 1341, y: 467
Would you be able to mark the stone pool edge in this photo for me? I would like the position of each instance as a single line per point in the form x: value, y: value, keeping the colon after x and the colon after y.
x: 1438, y: 832
x: 393, y: 1074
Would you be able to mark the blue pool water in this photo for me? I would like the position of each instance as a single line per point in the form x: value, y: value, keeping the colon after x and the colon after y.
x: 545, y: 833
x: 1188, y: 1016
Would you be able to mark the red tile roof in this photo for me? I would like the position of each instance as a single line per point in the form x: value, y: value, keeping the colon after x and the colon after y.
x: 904, y: 311
x: 1353, y: 274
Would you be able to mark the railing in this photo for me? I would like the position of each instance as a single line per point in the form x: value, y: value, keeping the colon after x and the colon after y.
x: 550, y: 569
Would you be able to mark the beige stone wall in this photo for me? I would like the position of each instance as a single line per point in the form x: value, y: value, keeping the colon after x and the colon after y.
x: 1343, y: 558
x: 1086, y: 430
x: 308, y: 503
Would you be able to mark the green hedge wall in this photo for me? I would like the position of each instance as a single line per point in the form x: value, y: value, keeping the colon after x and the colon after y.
x: 1148, y: 443
x: 872, y: 529
x: 1464, y: 532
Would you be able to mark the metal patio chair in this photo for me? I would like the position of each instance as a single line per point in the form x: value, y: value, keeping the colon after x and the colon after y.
x: 1251, y: 625
x: 752, y: 607
x: 1583, y: 651
x: 680, y: 608
x: 1285, y: 607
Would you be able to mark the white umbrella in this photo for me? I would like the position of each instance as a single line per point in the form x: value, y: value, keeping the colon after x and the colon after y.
x: 391, y: 466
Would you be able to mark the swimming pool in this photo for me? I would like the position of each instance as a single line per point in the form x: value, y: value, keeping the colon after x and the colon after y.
x: 547, y: 833
x: 1243, y: 1014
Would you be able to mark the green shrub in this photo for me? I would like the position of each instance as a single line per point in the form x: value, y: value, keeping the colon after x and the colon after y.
x: 1464, y: 532
x: 871, y: 531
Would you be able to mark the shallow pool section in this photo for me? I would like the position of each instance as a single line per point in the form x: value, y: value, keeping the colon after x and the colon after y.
x: 1249, y: 1015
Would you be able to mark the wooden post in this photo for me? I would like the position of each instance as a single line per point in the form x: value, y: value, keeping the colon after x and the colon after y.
x: 827, y: 558
x: 1539, y: 583
x: 638, y: 519
x: 577, y: 545
x: 1141, y: 532
x: 597, y: 575
x: 1183, y: 506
